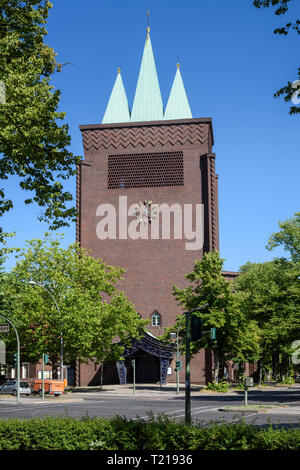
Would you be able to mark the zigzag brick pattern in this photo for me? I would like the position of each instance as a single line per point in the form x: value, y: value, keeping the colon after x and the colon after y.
x: 132, y: 137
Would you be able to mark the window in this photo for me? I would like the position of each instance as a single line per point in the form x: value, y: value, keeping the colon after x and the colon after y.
x: 25, y: 371
x: 47, y: 374
x: 155, y: 319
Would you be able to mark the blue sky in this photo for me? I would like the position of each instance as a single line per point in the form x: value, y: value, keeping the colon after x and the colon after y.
x: 231, y: 64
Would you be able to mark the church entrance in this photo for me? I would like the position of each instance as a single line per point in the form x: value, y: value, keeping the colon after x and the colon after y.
x: 152, y: 360
x: 146, y: 368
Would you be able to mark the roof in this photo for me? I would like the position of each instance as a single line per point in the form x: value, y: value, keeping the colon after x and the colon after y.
x: 117, y: 109
x: 178, y: 106
x: 147, y: 104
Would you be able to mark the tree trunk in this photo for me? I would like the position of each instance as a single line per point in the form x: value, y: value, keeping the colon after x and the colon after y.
x: 216, y: 366
x: 101, y: 376
x: 55, y: 366
x: 221, y: 369
x: 260, y: 371
x: 275, y: 363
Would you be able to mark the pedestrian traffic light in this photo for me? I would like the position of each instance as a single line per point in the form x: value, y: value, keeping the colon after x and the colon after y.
x: 178, y: 365
x: 196, y: 328
x: 46, y: 359
x: 15, y: 359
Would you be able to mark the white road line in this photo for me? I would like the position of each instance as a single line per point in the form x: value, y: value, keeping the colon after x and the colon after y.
x: 32, y: 406
x: 202, y: 411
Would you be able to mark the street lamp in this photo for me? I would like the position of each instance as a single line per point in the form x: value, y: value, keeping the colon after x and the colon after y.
x: 187, y: 363
x: 61, y: 333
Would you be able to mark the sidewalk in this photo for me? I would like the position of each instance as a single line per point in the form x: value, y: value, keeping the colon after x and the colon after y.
x: 154, y: 391
x: 9, y: 399
x: 170, y: 390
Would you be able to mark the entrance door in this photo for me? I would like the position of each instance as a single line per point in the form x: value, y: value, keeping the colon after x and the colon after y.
x: 147, y: 368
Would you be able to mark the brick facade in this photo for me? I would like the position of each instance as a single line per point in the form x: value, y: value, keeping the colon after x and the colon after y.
x: 152, y: 266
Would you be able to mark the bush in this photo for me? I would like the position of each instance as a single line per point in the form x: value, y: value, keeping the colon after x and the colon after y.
x: 287, y: 381
x: 118, y: 433
x: 221, y: 386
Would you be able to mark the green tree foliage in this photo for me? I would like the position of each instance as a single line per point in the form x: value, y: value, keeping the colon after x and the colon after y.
x: 288, y: 237
x: 237, y: 336
x: 271, y: 298
x: 95, y: 318
x: 292, y: 89
x: 33, y: 145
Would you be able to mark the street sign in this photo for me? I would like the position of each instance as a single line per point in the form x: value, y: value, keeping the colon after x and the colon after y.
x: 296, y: 353
x: 4, y: 328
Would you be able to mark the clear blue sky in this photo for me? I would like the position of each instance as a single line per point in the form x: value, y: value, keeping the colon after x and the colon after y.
x: 231, y: 64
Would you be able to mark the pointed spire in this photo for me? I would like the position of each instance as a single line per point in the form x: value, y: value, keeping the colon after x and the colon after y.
x: 117, y: 109
x: 178, y: 106
x: 147, y: 104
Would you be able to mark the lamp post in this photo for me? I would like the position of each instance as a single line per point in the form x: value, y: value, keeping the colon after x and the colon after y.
x: 61, y: 333
x: 187, y: 363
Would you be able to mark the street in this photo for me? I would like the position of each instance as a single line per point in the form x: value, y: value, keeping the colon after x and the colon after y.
x: 205, y: 407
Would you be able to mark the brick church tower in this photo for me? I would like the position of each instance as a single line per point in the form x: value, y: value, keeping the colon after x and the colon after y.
x: 156, y: 170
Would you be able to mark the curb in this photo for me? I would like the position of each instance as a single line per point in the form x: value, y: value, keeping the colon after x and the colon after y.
x: 260, y: 409
x: 235, y: 410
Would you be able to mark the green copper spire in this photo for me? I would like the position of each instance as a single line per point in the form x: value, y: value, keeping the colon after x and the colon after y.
x: 117, y: 109
x: 178, y: 106
x: 147, y: 104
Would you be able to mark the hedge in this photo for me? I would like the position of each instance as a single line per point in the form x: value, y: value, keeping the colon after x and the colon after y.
x: 119, y: 433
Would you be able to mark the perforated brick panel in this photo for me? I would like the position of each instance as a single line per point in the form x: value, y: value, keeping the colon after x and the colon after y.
x: 145, y: 170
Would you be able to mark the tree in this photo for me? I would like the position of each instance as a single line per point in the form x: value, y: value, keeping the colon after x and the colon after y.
x: 32, y: 143
x: 96, y: 320
x: 288, y: 237
x: 292, y: 90
x: 271, y: 298
x: 237, y: 336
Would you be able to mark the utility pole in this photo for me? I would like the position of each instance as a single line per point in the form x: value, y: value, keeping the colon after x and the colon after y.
x: 187, y: 363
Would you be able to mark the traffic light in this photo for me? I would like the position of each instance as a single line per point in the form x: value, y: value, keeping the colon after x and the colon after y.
x: 178, y: 365
x: 46, y: 359
x: 133, y: 362
x: 196, y: 328
x: 15, y: 359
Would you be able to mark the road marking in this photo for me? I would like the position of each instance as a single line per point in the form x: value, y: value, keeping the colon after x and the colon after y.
x: 180, y: 411
x: 32, y: 406
x: 202, y: 411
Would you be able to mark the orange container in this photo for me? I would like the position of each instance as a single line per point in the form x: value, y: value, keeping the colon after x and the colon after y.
x: 51, y: 386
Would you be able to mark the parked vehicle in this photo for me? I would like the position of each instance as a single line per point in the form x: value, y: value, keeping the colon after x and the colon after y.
x: 51, y: 386
x: 297, y: 379
x: 10, y: 387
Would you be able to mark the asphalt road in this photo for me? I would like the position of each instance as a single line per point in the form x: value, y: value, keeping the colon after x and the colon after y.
x: 205, y: 408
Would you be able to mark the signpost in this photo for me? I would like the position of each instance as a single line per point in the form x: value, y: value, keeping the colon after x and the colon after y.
x: 178, y: 366
x: 133, y: 365
x: 248, y: 382
x: 4, y: 328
